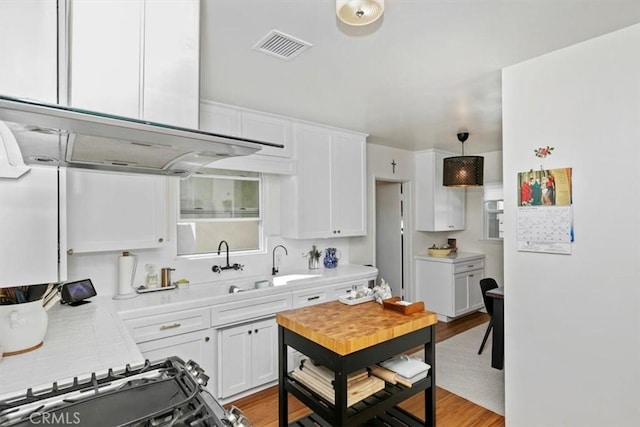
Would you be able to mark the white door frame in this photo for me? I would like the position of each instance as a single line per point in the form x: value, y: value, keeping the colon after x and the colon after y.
x: 407, y: 267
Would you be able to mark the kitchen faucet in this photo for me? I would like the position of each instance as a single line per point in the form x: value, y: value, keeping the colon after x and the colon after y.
x: 274, y: 269
x: 217, y: 268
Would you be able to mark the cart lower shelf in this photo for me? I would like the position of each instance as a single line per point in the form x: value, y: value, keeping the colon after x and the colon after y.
x: 394, y: 417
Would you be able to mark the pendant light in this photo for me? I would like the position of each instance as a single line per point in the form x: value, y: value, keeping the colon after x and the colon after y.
x: 463, y: 171
x: 359, y: 12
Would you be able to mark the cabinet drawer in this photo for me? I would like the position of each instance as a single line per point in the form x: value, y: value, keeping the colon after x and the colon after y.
x: 249, y: 309
x: 170, y: 324
x: 461, y: 267
x: 309, y: 297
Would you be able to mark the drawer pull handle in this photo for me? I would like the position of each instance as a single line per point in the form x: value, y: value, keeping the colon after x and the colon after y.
x: 314, y: 297
x: 470, y: 266
x: 165, y: 327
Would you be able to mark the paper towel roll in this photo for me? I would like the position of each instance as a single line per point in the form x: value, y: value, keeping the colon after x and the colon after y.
x: 126, y: 272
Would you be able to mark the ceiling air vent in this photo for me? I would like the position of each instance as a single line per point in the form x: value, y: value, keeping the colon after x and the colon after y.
x: 281, y: 45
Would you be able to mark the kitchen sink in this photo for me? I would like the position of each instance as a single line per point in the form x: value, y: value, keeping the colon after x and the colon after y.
x: 284, y: 280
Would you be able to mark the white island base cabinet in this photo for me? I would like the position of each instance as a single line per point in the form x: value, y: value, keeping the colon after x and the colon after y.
x: 450, y: 286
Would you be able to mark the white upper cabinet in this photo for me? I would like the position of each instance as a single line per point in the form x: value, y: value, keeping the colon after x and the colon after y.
x: 109, y: 211
x: 234, y: 121
x: 220, y: 118
x: 171, y: 88
x: 438, y: 208
x: 28, y: 49
x: 127, y: 72
x: 29, y: 214
x: 326, y: 197
x: 29, y: 228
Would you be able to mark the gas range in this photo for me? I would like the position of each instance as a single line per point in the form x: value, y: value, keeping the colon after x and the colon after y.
x: 164, y: 393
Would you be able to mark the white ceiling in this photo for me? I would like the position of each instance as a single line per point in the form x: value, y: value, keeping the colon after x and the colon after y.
x: 412, y: 80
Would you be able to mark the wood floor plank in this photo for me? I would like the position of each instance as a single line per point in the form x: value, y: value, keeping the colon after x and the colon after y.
x: 451, y: 410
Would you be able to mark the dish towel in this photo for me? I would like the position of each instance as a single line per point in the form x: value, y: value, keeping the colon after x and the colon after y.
x: 409, y: 368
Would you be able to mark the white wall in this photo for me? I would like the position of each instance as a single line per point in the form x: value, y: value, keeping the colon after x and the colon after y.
x: 573, y: 321
x: 379, y: 159
x: 102, y: 267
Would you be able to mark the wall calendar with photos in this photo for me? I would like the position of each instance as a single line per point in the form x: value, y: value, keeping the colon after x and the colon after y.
x: 545, y: 218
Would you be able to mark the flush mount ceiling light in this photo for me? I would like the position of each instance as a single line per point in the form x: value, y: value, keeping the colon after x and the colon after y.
x: 463, y: 171
x: 359, y: 12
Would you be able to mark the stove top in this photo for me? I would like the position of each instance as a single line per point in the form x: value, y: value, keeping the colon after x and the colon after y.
x: 164, y: 393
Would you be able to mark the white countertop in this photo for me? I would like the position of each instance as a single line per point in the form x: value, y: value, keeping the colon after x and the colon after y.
x: 453, y: 258
x: 93, y: 337
x: 80, y: 340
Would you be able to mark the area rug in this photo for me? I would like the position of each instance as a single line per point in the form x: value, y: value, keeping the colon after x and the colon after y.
x: 462, y: 371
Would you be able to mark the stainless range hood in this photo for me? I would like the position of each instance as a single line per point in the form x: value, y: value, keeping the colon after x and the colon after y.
x: 63, y: 136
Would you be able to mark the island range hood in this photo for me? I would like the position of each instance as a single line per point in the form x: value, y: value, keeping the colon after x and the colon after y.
x: 50, y: 134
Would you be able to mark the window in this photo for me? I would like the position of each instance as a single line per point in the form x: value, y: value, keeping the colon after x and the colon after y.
x: 218, y: 205
x: 493, y: 212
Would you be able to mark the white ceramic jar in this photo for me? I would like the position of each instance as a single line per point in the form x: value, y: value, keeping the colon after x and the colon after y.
x: 22, y: 327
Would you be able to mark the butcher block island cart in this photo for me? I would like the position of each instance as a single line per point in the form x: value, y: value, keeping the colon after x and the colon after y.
x: 347, y: 339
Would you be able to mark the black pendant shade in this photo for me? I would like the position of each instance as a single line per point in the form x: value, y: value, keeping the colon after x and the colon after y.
x: 463, y: 171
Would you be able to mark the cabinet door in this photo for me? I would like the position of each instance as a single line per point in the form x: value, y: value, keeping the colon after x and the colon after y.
x: 264, y: 350
x: 455, y: 205
x: 467, y: 292
x: 313, y: 196
x: 235, y: 360
x: 475, y: 293
x: 460, y: 293
x: 28, y: 49
x: 348, y: 185
x: 262, y: 127
x: 108, y: 82
x: 170, y: 86
x: 196, y: 346
x: 434, y: 281
x: 438, y: 208
x: 220, y: 119
x: 29, y: 228
x: 107, y: 212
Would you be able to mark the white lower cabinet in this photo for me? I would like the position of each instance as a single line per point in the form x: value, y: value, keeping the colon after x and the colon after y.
x: 196, y: 346
x: 248, y: 356
x: 450, y: 286
x: 186, y: 334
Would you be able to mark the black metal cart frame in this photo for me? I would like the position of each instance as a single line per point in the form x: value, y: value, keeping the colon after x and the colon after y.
x: 381, y: 405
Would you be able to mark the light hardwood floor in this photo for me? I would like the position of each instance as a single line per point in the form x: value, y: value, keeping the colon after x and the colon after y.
x: 451, y: 410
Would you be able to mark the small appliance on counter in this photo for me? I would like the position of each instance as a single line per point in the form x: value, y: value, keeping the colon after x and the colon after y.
x: 77, y: 293
x: 167, y: 393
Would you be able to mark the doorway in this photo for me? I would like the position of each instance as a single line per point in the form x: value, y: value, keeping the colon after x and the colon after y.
x: 390, y: 235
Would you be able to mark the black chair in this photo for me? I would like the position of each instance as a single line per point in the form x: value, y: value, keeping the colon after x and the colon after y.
x: 486, y: 285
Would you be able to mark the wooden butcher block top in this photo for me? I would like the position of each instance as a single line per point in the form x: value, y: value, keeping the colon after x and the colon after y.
x: 345, y: 329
